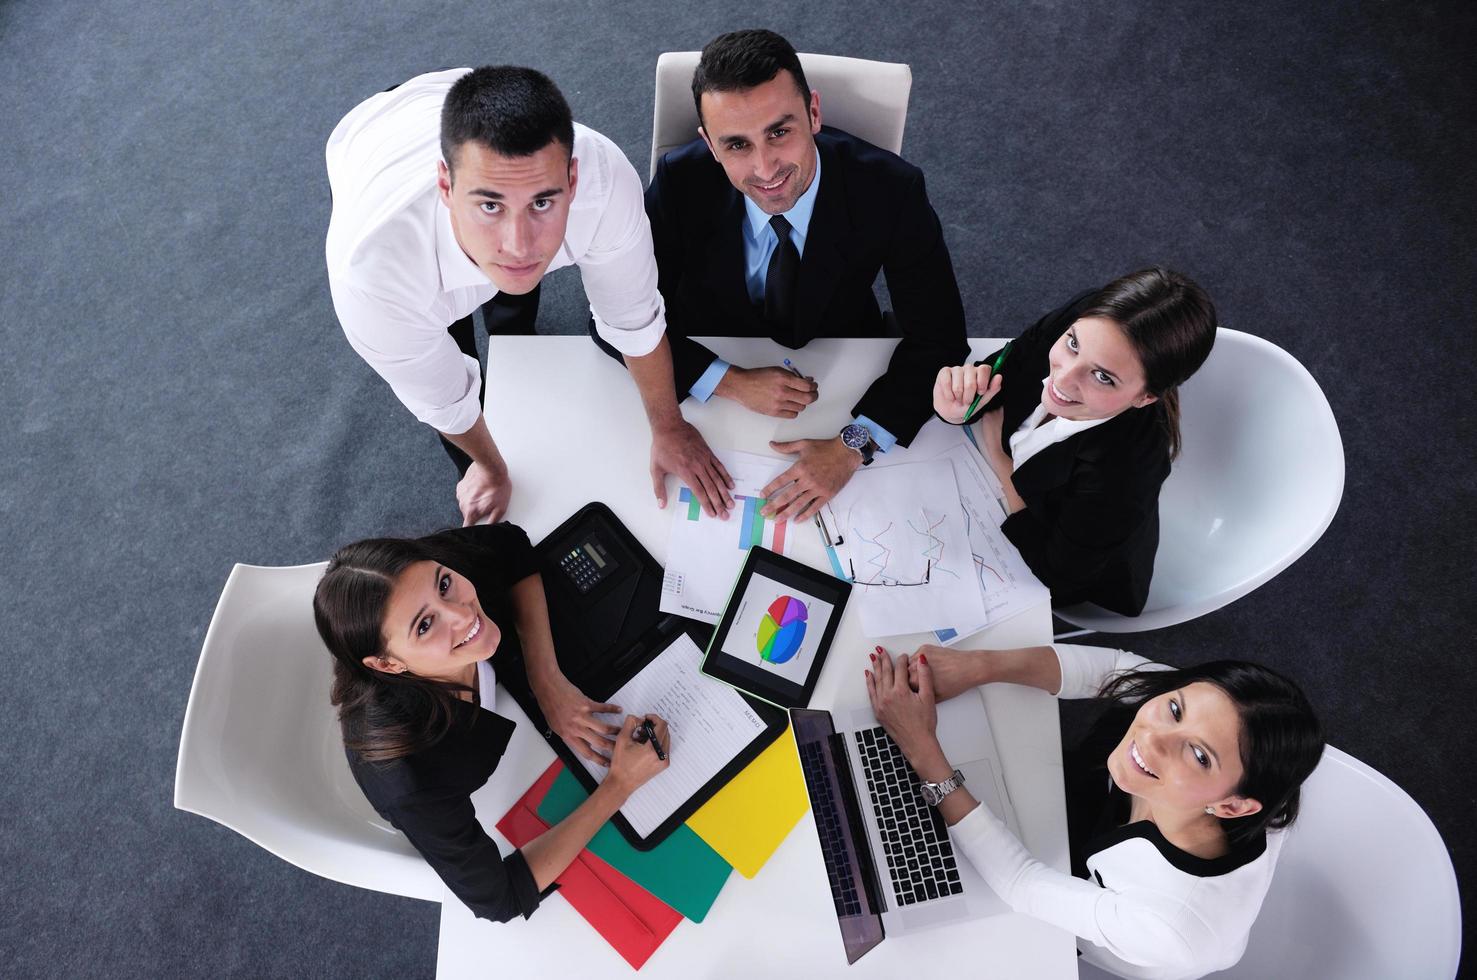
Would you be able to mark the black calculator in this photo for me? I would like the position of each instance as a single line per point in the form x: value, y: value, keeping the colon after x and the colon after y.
x: 588, y: 563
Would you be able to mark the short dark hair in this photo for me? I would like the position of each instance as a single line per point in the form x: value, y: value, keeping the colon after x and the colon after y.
x: 742, y: 60
x: 1281, y: 740
x: 512, y: 111
x: 1171, y: 323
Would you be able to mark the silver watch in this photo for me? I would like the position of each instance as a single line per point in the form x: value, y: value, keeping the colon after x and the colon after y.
x: 934, y: 793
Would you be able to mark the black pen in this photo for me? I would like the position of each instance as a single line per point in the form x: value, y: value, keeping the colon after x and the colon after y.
x: 647, y: 732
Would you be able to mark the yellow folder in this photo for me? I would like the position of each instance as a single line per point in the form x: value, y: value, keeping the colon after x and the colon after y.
x: 747, y: 820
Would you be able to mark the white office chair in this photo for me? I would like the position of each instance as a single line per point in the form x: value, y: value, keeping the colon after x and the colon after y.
x: 261, y: 750
x: 1258, y: 480
x: 868, y: 99
x: 1364, y: 888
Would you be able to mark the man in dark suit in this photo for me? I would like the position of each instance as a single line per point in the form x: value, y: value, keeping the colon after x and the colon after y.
x: 771, y: 226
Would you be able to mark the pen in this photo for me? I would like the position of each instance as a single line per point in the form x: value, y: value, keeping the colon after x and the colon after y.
x: 789, y: 366
x: 994, y: 370
x: 647, y: 733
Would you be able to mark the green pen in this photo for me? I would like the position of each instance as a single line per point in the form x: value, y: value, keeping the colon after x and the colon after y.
x: 994, y: 370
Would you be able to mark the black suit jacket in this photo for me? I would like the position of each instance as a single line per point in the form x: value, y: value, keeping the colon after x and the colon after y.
x: 428, y: 795
x: 1090, y: 527
x: 871, y: 214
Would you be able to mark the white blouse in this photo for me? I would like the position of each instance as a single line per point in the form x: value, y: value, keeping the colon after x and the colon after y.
x: 1034, y: 436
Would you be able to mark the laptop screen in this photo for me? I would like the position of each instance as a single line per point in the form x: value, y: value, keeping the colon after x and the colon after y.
x: 838, y: 822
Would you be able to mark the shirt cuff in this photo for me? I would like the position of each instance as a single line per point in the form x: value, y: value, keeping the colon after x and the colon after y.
x: 885, y: 440
x: 702, y: 389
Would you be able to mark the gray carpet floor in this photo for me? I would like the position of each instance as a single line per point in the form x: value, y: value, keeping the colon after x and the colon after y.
x: 181, y: 397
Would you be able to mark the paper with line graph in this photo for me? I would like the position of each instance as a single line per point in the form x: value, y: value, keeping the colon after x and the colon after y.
x: 704, y: 554
x: 1006, y: 581
x: 905, y: 546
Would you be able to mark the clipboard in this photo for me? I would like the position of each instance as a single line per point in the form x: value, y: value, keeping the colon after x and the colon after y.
x: 607, y: 627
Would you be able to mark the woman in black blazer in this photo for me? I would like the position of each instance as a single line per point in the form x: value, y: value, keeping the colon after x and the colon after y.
x: 411, y: 625
x: 1081, y: 425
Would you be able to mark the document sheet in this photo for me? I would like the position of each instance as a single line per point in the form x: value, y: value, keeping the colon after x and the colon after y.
x: 709, y: 724
x: 704, y: 554
x: 904, y: 544
x: 1006, y: 581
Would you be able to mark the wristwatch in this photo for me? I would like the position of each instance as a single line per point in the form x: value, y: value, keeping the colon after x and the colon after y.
x: 859, y: 440
x: 934, y: 793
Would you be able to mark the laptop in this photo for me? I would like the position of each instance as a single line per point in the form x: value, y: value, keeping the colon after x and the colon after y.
x: 887, y: 853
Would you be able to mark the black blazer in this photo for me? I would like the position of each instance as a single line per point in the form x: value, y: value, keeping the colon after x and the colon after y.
x: 871, y: 213
x: 428, y: 795
x: 1090, y: 527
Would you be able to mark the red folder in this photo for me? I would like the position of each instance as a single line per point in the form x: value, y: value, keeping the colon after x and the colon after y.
x: 627, y: 915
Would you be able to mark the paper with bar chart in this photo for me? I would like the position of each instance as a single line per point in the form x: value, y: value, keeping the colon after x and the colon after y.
x: 777, y: 627
x: 704, y: 554
x: 1006, y: 581
x: 905, y: 546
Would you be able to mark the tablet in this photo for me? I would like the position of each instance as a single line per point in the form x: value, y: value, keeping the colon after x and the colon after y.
x: 776, y: 629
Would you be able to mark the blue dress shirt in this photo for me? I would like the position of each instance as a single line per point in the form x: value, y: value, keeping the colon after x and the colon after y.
x: 760, y: 241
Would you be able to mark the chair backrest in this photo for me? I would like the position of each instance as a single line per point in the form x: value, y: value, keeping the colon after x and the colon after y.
x: 1258, y: 481
x: 1364, y: 888
x: 261, y: 750
x: 868, y: 99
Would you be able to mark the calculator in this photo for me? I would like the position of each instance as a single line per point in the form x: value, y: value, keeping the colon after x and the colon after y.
x: 588, y: 563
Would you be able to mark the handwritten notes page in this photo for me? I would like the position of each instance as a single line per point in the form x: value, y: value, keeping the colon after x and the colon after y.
x: 709, y: 724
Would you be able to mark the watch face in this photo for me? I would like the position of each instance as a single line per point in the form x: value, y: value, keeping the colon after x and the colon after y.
x: 855, y: 436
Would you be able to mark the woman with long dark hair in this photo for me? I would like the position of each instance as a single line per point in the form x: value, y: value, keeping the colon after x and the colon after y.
x: 1176, y: 799
x: 415, y: 628
x: 1080, y: 425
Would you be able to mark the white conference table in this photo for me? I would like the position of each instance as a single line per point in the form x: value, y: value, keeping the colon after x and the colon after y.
x: 570, y: 424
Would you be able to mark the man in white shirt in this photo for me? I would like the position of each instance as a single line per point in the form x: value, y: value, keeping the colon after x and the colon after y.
x: 461, y: 184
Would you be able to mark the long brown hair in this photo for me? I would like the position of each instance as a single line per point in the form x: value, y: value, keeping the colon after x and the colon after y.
x: 1171, y: 323
x: 383, y: 716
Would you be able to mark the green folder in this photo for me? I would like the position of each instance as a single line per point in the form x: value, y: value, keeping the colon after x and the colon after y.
x: 682, y: 870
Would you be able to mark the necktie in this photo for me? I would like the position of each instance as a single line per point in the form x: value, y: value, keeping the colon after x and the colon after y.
x: 779, y: 281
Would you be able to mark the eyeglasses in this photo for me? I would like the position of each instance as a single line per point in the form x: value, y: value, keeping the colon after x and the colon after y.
x: 890, y: 583
x: 832, y: 540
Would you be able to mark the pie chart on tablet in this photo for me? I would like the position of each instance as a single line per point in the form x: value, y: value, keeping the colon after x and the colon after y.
x: 781, y: 630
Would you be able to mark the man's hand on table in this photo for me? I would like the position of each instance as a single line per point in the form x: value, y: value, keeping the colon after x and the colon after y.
x: 822, y: 470
x: 768, y: 390
x: 677, y: 447
x: 484, y: 492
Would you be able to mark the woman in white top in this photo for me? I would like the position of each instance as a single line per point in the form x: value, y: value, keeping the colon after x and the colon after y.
x: 1080, y: 424
x: 1175, y: 801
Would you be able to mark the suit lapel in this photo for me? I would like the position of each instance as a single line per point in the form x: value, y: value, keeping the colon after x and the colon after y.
x: 725, y: 270
x: 824, y: 260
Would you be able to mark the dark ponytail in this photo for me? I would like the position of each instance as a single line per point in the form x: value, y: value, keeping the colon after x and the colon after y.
x: 1170, y: 322
x: 384, y: 716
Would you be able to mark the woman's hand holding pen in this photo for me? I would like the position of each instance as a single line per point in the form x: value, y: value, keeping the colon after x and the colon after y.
x: 633, y: 762
x: 955, y: 388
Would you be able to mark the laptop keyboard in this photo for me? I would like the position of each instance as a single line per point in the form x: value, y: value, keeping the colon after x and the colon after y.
x: 915, y: 839
x: 828, y: 823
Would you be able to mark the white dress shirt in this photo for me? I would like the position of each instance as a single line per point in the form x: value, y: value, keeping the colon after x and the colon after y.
x: 399, y: 278
x: 1034, y: 435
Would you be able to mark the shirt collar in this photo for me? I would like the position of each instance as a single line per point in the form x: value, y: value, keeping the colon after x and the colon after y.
x: 457, y: 271
x: 798, y: 216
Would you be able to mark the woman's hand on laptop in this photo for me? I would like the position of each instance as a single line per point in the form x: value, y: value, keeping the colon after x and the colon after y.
x: 954, y: 671
x: 909, y: 716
